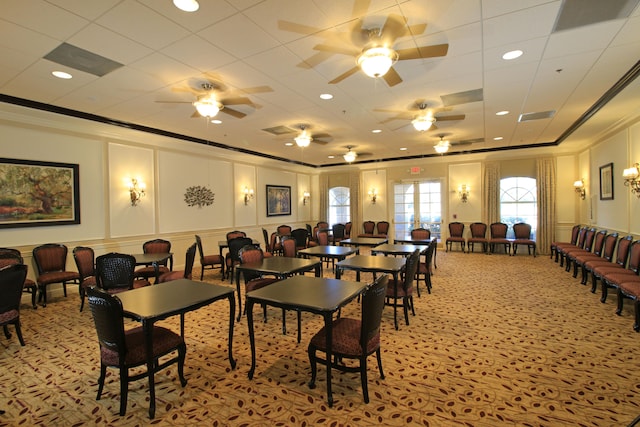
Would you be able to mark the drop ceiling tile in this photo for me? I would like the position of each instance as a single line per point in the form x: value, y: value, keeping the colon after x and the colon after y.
x: 251, y: 40
x: 43, y: 17
x: 89, y: 10
x: 163, y: 68
x: 197, y: 53
x: 519, y: 26
x: 589, y: 38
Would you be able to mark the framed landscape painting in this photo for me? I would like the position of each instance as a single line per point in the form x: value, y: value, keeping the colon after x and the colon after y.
x: 278, y: 200
x: 606, y: 182
x: 35, y: 193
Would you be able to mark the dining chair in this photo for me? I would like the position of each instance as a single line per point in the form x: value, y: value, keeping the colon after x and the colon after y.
x: 115, y: 272
x: 155, y: 246
x: 382, y: 228
x: 84, y: 257
x: 456, y: 231
x: 498, y: 232
x: 11, y: 284
x: 252, y: 280
x: 289, y: 247
x: 208, y: 260
x: 233, y: 257
x: 268, y: 251
x: 353, y: 338
x: 347, y: 230
x: 126, y: 349
x: 51, y: 266
x: 337, y: 233
x: 368, y: 229
x: 478, y: 235
x: 420, y: 234
x: 10, y: 256
x: 301, y: 237
x: 190, y: 257
x: 403, y: 289
x: 522, y: 232
x: 425, y: 269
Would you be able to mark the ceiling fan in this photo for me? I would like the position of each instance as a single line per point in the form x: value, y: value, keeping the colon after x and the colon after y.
x: 304, y: 135
x: 422, y: 118
x: 372, y: 47
x: 350, y: 156
x: 210, y: 99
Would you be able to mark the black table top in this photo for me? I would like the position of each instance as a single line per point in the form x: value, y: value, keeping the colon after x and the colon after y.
x: 313, y: 294
x: 279, y: 265
x: 410, y: 241
x: 329, y: 251
x: 225, y: 243
x: 364, y: 241
x: 150, y: 258
x: 170, y: 298
x: 372, y: 263
x: 396, y: 249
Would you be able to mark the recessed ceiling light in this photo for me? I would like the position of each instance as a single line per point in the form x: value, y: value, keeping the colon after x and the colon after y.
x: 376, y: 131
x: 331, y: 157
x: 502, y: 113
x: 216, y: 121
x: 497, y: 138
x: 62, y: 75
x: 403, y: 148
x: 187, y: 5
x: 512, y: 55
x: 326, y: 96
x: 288, y: 144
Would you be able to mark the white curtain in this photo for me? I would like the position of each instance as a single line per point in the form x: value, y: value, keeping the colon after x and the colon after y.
x: 491, y: 185
x: 546, y: 184
x: 354, y: 193
x: 324, y: 197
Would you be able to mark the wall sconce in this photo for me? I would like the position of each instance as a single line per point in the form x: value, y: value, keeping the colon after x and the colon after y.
x: 630, y: 176
x: 248, y: 195
x: 373, y: 195
x: 463, y: 192
x: 305, y: 197
x: 579, y: 187
x: 136, y: 191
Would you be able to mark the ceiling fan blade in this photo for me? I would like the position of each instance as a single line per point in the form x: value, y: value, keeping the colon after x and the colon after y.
x: 416, y: 29
x: 321, y: 138
x: 195, y: 115
x: 232, y: 112
x: 446, y: 118
x: 344, y: 75
x: 385, y: 110
x: 256, y: 89
x: 423, y: 52
x: 400, y: 127
x: 392, y: 77
x: 315, y: 59
x: 294, y: 27
x: 237, y: 100
x: 360, y: 8
x: 343, y: 50
x: 174, y: 102
x: 394, y: 27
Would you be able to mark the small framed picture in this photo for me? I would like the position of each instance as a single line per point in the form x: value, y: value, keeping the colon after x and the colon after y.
x: 606, y: 182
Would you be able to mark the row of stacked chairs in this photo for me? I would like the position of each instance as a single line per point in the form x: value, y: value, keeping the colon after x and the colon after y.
x: 594, y: 254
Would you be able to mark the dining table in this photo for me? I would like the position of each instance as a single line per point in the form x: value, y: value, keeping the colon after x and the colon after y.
x: 364, y: 241
x: 280, y: 267
x: 150, y: 304
x: 375, y: 265
x: 410, y: 241
x: 395, y: 249
x: 155, y: 260
x: 323, y: 296
x: 334, y: 253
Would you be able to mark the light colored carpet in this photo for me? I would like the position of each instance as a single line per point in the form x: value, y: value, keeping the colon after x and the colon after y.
x: 511, y: 341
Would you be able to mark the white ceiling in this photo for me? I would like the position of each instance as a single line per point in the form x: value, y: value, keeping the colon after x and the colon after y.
x: 254, y: 43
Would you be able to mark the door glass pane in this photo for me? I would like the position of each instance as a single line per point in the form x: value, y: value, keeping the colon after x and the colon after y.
x: 417, y: 204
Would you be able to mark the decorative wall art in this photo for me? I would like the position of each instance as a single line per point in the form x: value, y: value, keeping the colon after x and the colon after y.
x: 35, y: 193
x: 278, y: 200
x: 606, y: 182
x: 199, y: 196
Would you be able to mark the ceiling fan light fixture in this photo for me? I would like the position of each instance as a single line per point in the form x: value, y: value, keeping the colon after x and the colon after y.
x: 376, y: 61
x: 422, y: 123
x: 207, y: 107
x: 303, y: 140
x: 442, y: 146
x: 350, y: 156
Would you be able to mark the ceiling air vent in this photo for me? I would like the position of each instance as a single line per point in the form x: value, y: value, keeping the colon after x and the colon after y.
x: 82, y: 60
x: 578, y: 13
x: 527, y: 117
x: 462, y: 97
x: 280, y: 130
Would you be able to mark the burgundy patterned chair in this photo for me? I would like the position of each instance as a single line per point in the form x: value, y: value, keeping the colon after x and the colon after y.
x: 562, y: 248
x: 190, y: 257
x: 86, y: 264
x: 155, y: 246
x: 51, y: 266
x: 126, y: 349
x: 578, y: 259
x: 478, y: 235
x: 420, y: 234
x: 10, y: 256
x: 622, y: 255
x: 610, y: 242
x: 574, y: 238
x: 404, y: 291
x: 498, y: 237
x: 612, y: 279
x: 368, y: 229
x: 425, y: 269
x: 456, y: 232
x: 252, y: 281
x: 347, y: 230
x: 353, y: 338
x: 115, y: 273
x: 382, y: 229
x: 210, y: 261
x: 587, y: 247
x: 11, y: 285
x: 522, y: 232
x: 289, y: 247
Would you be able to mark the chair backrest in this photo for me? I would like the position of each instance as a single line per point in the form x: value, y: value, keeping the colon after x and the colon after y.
x: 301, y: 236
x: 429, y: 253
x: 289, y: 247
x: 108, y: 317
x: 610, y: 243
x: 115, y: 271
x: 323, y: 238
x: 478, y: 230
x: 284, y: 230
x: 323, y: 225
x: 382, y: 227
x: 50, y: 257
x: 575, y: 231
x: 372, y: 307
x: 236, y: 244
x: 589, y: 237
x: 410, y: 269
x: 85, y: 261
x: 599, y: 242
x: 157, y: 246
x: 234, y: 234
x: 623, y: 250
x: 368, y: 227
x: 10, y: 256
x: 456, y: 229
x: 338, y: 231
x: 498, y: 230
x: 582, y: 235
x: 420, y: 234
x: 190, y: 258
x: 11, y: 282
x: 250, y: 254
x: 267, y: 243
x: 634, y: 257
x: 347, y: 229
x: 309, y: 231
x: 522, y: 230
x: 199, y: 245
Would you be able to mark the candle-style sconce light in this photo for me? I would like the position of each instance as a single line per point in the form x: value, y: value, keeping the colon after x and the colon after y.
x: 463, y: 192
x: 248, y: 194
x: 136, y: 191
x: 305, y: 197
x: 373, y: 195
x: 579, y: 188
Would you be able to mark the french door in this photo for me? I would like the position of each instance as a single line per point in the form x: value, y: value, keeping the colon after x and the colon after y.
x: 417, y: 204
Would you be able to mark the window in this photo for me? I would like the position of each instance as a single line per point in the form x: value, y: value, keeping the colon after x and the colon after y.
x: 339, y: 205
x: 518, y: 203
x: 417, y: 204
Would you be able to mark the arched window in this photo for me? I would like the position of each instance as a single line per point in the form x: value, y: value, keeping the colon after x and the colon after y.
x: 339, y: 205
x: 518, y: 203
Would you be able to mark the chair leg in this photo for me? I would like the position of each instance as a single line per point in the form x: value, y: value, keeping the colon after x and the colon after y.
x: 19, y: 332
x: 33, y: 297
x: 64, y: 288
x: 405, y: 308
x: 43, y: 295
x: 182, y: 351
x: 6, y: 331
x: 314, y: 365
x: 363, y: 378
x: 124, y: 390
x: 636, y: 326
x: 620, y: 302
x: 202, y: 273
x: 81, y: 290
x: 103, y: 374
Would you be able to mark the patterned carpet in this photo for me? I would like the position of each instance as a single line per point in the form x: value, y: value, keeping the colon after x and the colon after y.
x: 511, y: 341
